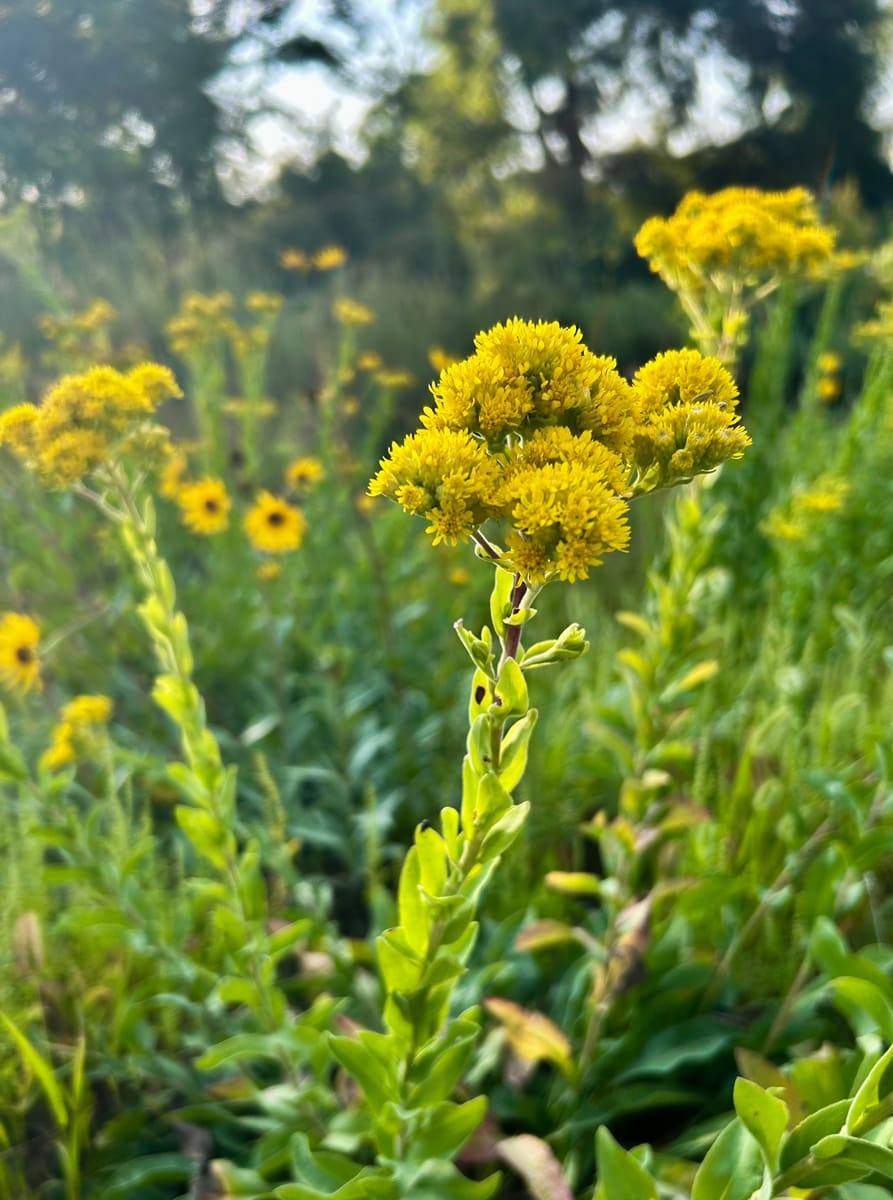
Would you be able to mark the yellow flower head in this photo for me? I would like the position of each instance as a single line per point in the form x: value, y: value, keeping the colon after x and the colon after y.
x: 269, y: 570
x: 782, y: 528
x: 445, y: 475
x: 523, y: 376
x: 369, y: 361
x: 459, y: 577
x: 829, y: 363
x: 395, y: 378
x: 743, y: 233
x: 264, y: 302
x: 328, y: 258
x: 439, y: 359
x: 687, y: 419
x: 349, y: 312
x: 61, y: 750
x: 171, y: 478
x: 204, y: 506
x: 827, y: 495
x: 303, y: 473
x: 84, y: 419
x: 88, y: 709
x: 19, y: 662
x: 294, y: 260
x: 828, y: 388
x: 536, y: 433
x: 274, y: 526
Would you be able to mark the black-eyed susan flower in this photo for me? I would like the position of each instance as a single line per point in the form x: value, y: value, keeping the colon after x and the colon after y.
x: 303, y: 473
x: 274, y: 526
x: 204, y: 506
x: 19, y: 661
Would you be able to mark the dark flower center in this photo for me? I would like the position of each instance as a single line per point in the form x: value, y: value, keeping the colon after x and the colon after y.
x: 276, y: 518
x: 211, y: 506
x: 24, y: 654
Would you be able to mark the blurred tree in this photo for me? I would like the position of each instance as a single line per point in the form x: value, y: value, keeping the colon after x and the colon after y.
x: 105, y: 98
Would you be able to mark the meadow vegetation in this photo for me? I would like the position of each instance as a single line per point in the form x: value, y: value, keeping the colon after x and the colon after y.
x: 296, y: 901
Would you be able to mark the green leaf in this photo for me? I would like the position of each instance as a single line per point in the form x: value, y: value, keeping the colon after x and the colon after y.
x: 414, y: 918
x: 207, y: 835
x: 510, y: 698
x: 440, y: 1067
x: 873, y: 1090
x: 152, y: 1169
x: 733, y: 1168
x: 620, y: 1176
x: 504, y: 831
x: 812, y: 1129
x: 501, y: 599
x: 445, y: 1129
x: 43, y: 1072
x: 432, y: 860
x: 513, y: 752
x: 492, y: 801
x: 377, y: 1081
x: 400, y: 966
x: 858, y: 998
x: 856, y: 1151
x: 766, y: 1117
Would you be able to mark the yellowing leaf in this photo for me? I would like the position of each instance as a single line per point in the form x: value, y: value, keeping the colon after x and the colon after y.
x: 533, y: 1037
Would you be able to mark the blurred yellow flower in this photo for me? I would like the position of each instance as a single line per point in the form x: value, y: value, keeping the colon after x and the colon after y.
x: 75, y: 731
x: 204, y: 506
x: 328, y: 258
x: 459, y: 577
x: 783, y: 528
x: 269, y: 570
x: 171, y: 478
x: 264, y: 302
x: 294, y: 260
x: 829, y: 362
x: 19, y: 661
x: 274, y: 526
x: 365, y: 504
x: 828, y: 388
x: 439, y: 359
x: 302, y: 473
x: 369, y: 361
x: 349, y: 312
x: 395, y: 378
x: 88, y: 709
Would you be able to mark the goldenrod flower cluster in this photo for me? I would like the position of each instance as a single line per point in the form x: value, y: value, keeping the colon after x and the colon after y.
x: 744, y: 233
x: 19, y: 661
x: 81, y: 719
x: 537, y: 433
x: 686, y: 423
x: 87, y: 419
x: 68, y: 331
x: 807, y: 507
x: 327, y: 258
x: 202, y: 318
x: 349, y: 312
